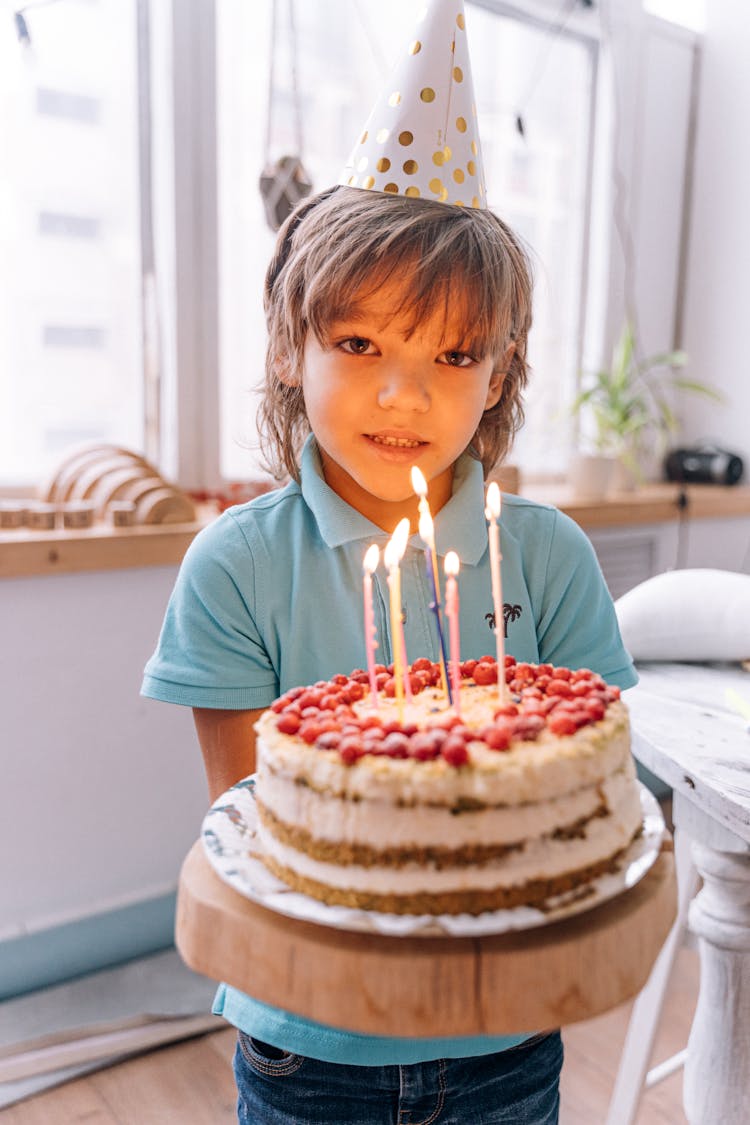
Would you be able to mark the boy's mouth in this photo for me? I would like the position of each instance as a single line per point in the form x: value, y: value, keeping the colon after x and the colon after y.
x: 396, y: 441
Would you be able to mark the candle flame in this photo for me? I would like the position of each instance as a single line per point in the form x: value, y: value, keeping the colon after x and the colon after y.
x: 396, y: 546
x: 426, y: 527
x: 418, y: 483
x: 371, y: 559
x: 451, y: 564
x: 492, y: 511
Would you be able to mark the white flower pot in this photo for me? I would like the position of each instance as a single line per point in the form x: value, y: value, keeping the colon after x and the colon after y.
x: 590, y: 475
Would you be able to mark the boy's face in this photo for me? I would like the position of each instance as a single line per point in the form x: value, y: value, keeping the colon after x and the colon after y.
x: 380, y: 400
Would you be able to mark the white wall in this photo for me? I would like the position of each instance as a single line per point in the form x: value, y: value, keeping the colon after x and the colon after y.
x: 103, y: 792
x: 717, y: 309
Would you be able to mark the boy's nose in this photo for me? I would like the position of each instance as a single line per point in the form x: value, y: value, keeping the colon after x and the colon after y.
x: 404, y: 389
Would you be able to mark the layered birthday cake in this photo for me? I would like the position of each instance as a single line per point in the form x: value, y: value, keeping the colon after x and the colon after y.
x: 406, y: 803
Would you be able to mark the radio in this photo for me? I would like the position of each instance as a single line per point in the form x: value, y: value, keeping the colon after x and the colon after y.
x: 704, y: 464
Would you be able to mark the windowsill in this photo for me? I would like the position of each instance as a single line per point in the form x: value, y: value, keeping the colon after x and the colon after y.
x: 24, y: 553
x: 651, y: 503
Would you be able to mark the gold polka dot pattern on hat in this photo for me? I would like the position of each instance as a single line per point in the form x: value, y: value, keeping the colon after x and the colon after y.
x: 461, y: 124
x: 461, y: 21
x: 395, y: 98
x: 436, y: 185
x: 392, y: 189
x: 427, y: 94
x: 405, y: 137
x: 368, y: 182
x: 471, y: 168
x: 415, y: 48
x: 411, y: 167
x: 412, y: 191
x: 383, y: 164
x: 363, y: 138
x: 458, y: 74
x: 458, y: 175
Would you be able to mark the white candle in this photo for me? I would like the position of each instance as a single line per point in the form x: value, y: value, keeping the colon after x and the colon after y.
x: 369, y: 566
x: 492, y: 514
x: 451, y: 609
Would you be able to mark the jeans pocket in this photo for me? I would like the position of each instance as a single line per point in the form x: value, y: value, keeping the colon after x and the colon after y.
x: 268, y: 1060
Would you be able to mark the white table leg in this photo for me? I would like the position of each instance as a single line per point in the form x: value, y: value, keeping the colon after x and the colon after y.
x: 644, y: 1019
x: 717, y: 1068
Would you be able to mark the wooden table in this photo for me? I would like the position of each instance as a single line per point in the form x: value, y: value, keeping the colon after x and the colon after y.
x: 688, y: 733
x: 530, y: 980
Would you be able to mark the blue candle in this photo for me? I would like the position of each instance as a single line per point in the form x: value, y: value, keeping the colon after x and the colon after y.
x: 435, y: 607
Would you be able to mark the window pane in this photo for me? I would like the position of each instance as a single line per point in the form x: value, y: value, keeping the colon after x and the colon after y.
x: 71, y: 365
x: 538, y: 182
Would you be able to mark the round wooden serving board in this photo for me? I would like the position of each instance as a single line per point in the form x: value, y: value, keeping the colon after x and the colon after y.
x: 528, y: 980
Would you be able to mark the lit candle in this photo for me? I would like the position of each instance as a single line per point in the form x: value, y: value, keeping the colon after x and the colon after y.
x: 427, y: 533
x: 492, y: 514
x: 451, y: 610
x: 392, y: 556
x: 369, y: 566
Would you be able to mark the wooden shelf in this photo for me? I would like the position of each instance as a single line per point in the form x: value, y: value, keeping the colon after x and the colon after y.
x: 652, y: 503
x: 24, y: 552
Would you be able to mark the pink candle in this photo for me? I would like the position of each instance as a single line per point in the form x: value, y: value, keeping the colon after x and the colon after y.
x: 392, y: 556
x: 492, y: 514
x: 372, y: 557
x: 451, y: 609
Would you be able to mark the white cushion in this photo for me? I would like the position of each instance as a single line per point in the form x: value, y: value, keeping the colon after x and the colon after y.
x: 689, y: 615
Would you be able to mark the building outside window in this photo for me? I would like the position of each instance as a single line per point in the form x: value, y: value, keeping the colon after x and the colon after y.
x: 71, y: 356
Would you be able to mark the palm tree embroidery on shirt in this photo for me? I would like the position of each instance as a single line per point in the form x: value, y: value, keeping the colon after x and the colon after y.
x: 510, y: 613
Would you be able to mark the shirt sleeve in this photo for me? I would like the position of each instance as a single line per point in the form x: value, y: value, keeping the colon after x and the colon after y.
x: 210, y: 651
x: 578, y: 625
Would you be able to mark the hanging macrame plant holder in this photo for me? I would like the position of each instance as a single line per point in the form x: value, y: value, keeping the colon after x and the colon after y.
x: 283, y: 181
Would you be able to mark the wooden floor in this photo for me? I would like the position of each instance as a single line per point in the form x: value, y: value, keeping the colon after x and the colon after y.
x: 192, y: 1084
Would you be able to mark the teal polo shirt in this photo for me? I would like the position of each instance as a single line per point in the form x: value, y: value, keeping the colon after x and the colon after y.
x: 269, y: 596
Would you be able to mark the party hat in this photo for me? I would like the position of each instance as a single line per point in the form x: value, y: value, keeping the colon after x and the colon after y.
x: 421, y: 139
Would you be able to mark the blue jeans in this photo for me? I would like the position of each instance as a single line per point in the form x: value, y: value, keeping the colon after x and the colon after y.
x: 514, y: 1087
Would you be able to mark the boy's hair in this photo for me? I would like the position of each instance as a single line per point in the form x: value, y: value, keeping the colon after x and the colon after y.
x: 341, y: 245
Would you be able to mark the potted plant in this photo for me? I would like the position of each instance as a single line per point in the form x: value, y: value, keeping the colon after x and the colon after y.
x: 628, y: 404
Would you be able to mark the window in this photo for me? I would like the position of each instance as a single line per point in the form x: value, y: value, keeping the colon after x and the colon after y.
x: 537, y: 181
x: 71, y: 365
x: 130, y: 182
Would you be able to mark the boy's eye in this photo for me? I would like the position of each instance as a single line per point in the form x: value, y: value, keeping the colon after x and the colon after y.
x: 357, y: 345
x: 456, y: 359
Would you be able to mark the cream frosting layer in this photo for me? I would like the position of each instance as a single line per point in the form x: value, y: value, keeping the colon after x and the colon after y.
x: 337, y: 819
x: 527, y: 773
x: 542, y: 857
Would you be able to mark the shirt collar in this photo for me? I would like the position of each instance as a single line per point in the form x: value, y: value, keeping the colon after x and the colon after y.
x: 459, y: 526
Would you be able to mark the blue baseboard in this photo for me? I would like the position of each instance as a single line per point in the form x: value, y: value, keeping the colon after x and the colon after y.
x: 98, y: 942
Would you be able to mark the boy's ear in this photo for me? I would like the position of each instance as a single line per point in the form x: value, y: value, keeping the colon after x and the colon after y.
x: 497, y: 379
x: 284, y: 370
